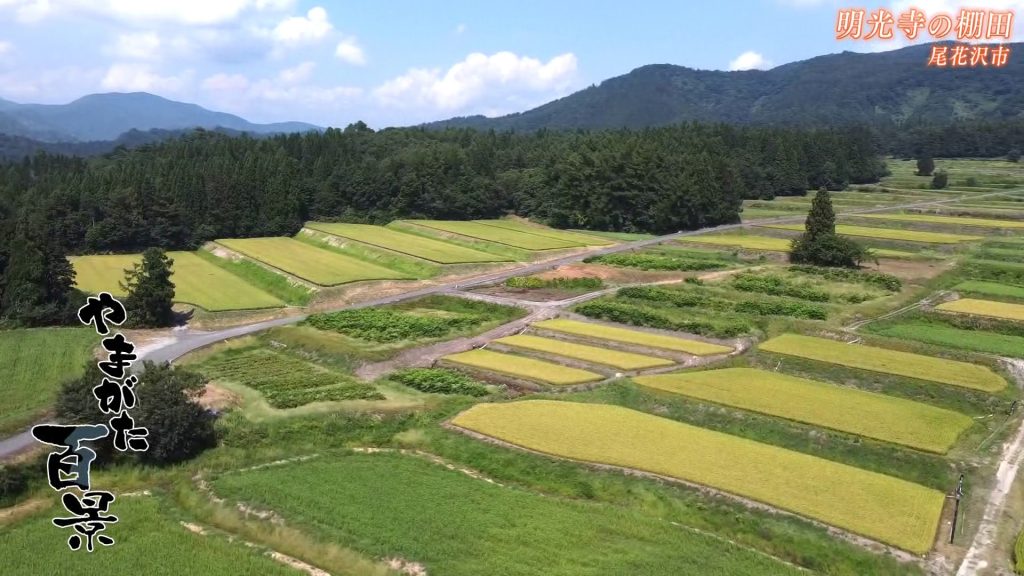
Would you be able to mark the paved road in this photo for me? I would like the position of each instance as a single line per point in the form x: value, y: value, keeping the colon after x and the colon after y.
x: 188, y: 340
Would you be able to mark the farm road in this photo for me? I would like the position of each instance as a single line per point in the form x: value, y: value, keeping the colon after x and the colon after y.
x: 189, y: 340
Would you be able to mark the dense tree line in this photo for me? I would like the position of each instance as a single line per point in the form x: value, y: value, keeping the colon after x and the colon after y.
x: 967, y: 139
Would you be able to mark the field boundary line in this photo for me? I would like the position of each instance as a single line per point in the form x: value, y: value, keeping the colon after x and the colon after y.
x: 852, y: 537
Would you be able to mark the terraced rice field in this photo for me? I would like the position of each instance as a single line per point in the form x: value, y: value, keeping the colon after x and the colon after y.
x: 850, y: 410
x: 411, y: 244
x: 888, y: 233
x: 592, y: 354
x: 521, y: 367
x: 988, y: 308
x: 515, y: 238
x: 884, y: 360
x: 196, y: 281
x: 575, y: 237
x: 881, y: 507
x: 951, y: 220
x: 991, y: 288
x: 770, y: 244
x: 628, y: 336
x: 310, y: 263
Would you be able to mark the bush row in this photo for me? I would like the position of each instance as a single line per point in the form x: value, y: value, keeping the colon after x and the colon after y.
x: 532, y: 282
x: 879, y: 279
x: 777, y: 286
x: 384, y: 325
x: 439, y: 381
x: 651, y: 261
x: 625, y: 313
x: 694, y: 299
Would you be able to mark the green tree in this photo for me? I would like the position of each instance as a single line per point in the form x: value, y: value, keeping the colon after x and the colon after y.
x: 37, y: 281
x: 925, y: 165
x: 150, y: 290
x: 1013, y: 155
x: 940, y: 180
x: 819, y: 244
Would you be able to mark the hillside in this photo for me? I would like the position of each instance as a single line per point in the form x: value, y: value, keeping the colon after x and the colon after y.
x: 877, y: 88
x: 99, y: 117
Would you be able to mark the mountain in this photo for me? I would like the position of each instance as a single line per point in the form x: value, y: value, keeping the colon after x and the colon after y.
x: 105, y: 117
x: 886, y: 87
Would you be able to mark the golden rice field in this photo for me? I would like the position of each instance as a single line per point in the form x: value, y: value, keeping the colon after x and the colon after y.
x: 887, y: 509
x: 592, y: 354
x: 990, y: 308
x: 316, y: 265
x: 951, y: 220
x: 771, y: 244
x: 850, y: 410
x: 522, y: 367
x: 884, y: 360
x: 628, y: 336
x: 888, y: 233
x: 568, y: 236
x: 480, y: 231
x: 411, y: 244
x: 196, y: 281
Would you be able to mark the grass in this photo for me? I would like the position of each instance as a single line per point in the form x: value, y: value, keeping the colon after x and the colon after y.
x: 393, y: 505
x: 951, y: 337
x: 888, y: 233
x: 628, y: 336
x: 272, y: 283
x: 283, y: 380
x: 990, y: 289
x: 651, y: 260
x: 874, y: 359
x: 951, y: 220
x: 514, y: 238
x: 988, y: 308
x: 308, y: 262
x: 617, y: 236
x: 566, y: 235
x: 1018, y: 554
x: 33, y: 364
x: 839, y: 408
x: 749, y: 242
x: 147, y: 540
x: 410, y: 244
x: 887, y: 509
x: 522, y: 367
x: 592, y: 354
x: 196, y: 281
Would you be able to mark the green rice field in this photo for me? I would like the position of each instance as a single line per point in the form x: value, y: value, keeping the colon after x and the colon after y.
x: 582, y: 239
x: 991, y: 289
x: 771, y: 244
x: 881, y: 507
x: 410, y: 244
x: 196, y: 281
x: 592, y: 354
x: 506, y: 236
x: 950, y: 220
x: 951, y: 337
x: 850, y: 410
x: 884, y: 360
x: 887, y: 233
x: 522, y: 367
x: 310, y: 263
x: 630, y: 336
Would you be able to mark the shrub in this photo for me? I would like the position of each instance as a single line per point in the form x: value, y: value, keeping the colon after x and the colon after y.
x: 879, y: 279
x: 651, y: 261
x: 625, y: 313
x: 439, y: 381
x: 940, y: 180
x: 777, y: 286
x: 532, y: 282
x: 383, y: 325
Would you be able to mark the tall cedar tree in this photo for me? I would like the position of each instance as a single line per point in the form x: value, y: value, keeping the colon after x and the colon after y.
x: 150, y: 290
x: 819, y: 244
x: 166, y: 405
x: 925, y: 165
x: 37, y: 281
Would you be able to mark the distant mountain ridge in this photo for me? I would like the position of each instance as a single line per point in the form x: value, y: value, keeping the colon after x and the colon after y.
x: 895, y: 87
x: 105, y: 117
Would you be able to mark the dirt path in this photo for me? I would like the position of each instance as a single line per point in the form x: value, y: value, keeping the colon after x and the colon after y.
x: 424, y: 356
x: 1013, y: 453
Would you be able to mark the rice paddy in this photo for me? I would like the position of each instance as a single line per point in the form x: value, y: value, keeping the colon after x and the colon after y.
x: 506, y: 236
x: 888, y: 233
x: 629, y: 336
x: 592, y: 354
x: 884, y: 360
x: 410, y: 244
x: 850, y: 410
x: 582, y: 239
x: 310, y: 263
x: 196, y: 281
x: 887, y: 509
x: 522, y: 367
x: 772, y: 244
x: 988, y: 308
x: 950, y: 220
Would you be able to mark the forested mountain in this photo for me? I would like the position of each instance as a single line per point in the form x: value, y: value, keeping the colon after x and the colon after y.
x: 886, y: 88
x: 181, y: 192
x: 105, y: 117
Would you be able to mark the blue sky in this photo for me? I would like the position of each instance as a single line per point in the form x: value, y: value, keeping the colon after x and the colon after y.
x: 393, y: 62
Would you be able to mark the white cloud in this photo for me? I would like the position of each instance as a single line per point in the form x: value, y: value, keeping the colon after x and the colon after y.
x: 226, y: 83
x: 299, y: 73
x: 350, y: 51
x: 5, y: 47
x: 138, y: 45
x: 503, y: 75
x: 297, y: 30
x: 749, y: 60
x: 191, y: 12
x: 134, y: 77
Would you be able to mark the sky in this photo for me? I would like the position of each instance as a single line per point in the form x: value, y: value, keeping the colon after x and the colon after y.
x: 398, y: 62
